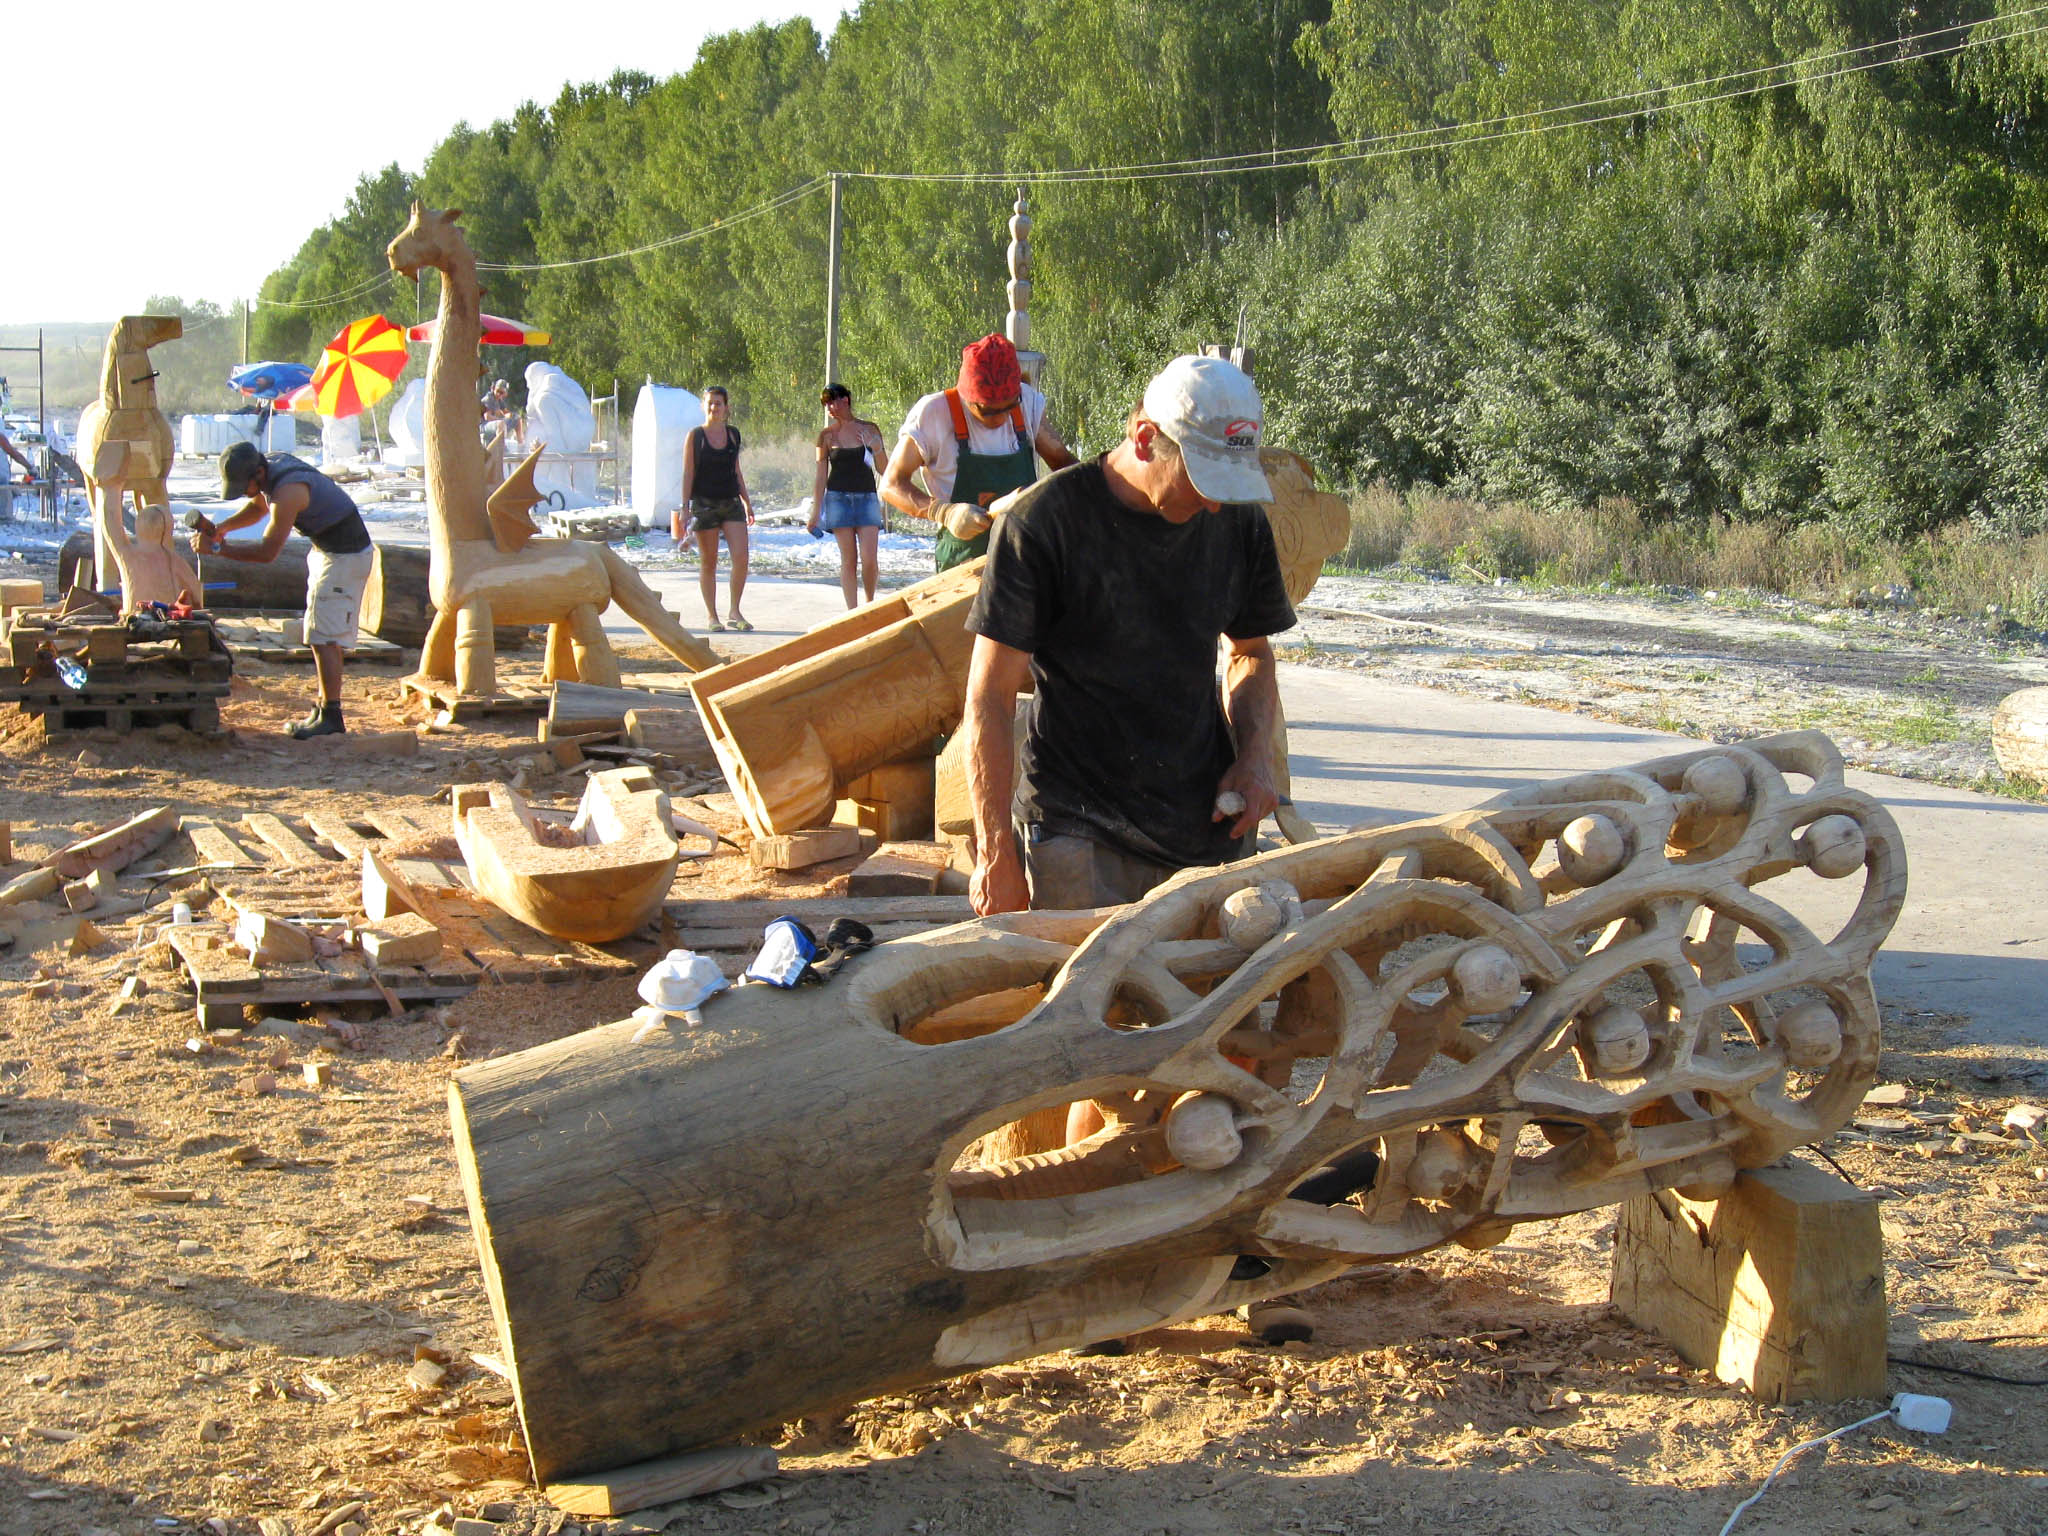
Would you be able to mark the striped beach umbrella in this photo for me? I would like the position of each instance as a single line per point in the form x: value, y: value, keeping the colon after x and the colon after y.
x: 497, y: 332
x: 359, y: 366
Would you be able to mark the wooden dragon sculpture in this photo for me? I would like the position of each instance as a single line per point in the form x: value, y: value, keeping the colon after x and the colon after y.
x: 1572, y: 995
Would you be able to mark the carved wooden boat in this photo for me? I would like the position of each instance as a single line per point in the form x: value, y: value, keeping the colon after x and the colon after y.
x: 599, y: 878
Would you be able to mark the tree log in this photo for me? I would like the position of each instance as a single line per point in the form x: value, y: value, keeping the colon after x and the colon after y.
x: 2019, y: 734
x: 690, y: 1232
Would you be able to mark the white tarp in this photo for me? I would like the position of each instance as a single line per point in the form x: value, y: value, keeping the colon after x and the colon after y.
x: 558, y: 413
x: 206, y: 437
x: 662, y: 418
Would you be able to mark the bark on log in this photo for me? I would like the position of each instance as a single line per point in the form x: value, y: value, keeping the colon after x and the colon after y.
x: 689, y: 1232
x: 2019, y: 734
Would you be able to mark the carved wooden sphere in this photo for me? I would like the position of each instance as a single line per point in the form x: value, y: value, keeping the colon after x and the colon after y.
x: 1201, y: 1132
x: 1253, y: 915
x: 1486, y: 978
x: 1620, y: 1040
x: 1440, y: 1168
x: 1717, y: 783
x: 1590, y: 849
x: 1833, y: 847
x: 1810, y: 1034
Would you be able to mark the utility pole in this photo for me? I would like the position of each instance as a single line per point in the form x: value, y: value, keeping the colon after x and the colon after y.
x: 245, y: 330
x: 832, y: 290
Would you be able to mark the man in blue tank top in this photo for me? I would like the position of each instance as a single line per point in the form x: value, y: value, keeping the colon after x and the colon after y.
x: 296, y: 497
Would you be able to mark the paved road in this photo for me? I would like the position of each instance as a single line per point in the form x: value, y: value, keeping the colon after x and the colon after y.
x: 1973, y: 938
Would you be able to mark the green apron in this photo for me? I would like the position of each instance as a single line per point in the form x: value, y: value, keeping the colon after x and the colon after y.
x: 979, y: 479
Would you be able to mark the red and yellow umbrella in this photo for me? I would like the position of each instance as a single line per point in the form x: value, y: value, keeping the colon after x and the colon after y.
x: 358, y: 367
x: 497, y: 332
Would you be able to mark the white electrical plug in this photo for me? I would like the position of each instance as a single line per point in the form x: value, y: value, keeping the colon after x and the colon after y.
x: 1928, y: 1415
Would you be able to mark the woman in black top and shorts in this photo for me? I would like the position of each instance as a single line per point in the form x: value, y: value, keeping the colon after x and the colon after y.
x: 843, y: 496
x: 715, y: 497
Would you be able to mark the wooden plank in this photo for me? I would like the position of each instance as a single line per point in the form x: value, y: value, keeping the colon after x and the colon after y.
x: 399, y: 826
x: 580, y: 707
x: 293, y: 850
x: 800, y: 850
x: 337, y: 834
x: 664, y: 1481
x: 820, y: 910
x: 1778, y: 1285
x: 214, y: 847
x: 117, y: 847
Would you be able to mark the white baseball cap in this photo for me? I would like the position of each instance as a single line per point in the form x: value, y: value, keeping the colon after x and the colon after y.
x: 1211, y: 409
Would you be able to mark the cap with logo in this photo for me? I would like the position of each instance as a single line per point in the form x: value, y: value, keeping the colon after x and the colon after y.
x: 1211, y: 410
x: 989, y: 373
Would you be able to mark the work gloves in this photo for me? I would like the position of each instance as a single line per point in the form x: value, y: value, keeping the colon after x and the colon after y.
x: 962, y: 519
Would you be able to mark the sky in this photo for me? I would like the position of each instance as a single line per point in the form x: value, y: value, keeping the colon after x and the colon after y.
x: 189, y: 149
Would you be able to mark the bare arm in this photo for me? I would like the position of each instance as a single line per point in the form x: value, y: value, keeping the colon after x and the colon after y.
x: 995, y: 676
x: 1051, y: 446
x: 252, y: 511
x: 15, y: 454
x: 739, y: 478
x: 680, y: 518
x: 284, y: 509
x: 896, y: 488
x: 818, y: 483
x: 1251, y: 703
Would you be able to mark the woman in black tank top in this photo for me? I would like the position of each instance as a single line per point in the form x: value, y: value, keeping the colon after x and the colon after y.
x: 716, y: 502
x: 843, y: 495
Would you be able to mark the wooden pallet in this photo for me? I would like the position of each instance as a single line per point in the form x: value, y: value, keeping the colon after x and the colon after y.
x: 106, y: 643
x: 286, y: 874
x: 260, y: 637
x: 200, y: 716
x: 172, y: 673
x: 464, y: 706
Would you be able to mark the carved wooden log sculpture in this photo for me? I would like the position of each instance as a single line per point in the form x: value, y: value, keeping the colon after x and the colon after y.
x: 792, y: 724
x: 125, y: 444
x: 483, y: 577
x: 1525, y: 1010
x: 600, y: 878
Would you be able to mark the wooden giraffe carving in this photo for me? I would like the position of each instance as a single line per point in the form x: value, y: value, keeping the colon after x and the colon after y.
x: 474, y: 580
x: 1331, y: 1055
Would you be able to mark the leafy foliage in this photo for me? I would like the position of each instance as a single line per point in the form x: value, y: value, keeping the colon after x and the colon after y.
x: 1821, y: 302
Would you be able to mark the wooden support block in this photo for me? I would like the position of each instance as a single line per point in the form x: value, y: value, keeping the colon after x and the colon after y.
x: 899, y: 869
x: 107, y: 642
x: 293, y: 850
x: 387, y: 893
x: 800, y: 850
x: 20, y: 592
x: 664, y: 1481
x: 1778, y: 1285
x: 80, y: 896
x: 86, y: 937
x: 372, y: 743
x: 403, y: 939
x: 271, y: 940
x: 895, y: 801
x: 117, y: 847
x: 6, y: 842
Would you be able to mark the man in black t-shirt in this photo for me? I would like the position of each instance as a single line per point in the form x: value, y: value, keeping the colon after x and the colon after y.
x: 1109, y: 585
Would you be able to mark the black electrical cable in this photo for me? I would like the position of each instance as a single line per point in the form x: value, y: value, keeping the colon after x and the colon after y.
x: 1964, y: 1370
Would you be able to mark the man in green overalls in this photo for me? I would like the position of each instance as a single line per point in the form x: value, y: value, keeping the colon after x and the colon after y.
x: 973, y: 444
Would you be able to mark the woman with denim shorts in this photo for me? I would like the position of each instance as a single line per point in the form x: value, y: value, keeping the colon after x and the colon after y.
x: 843, y: 496
x: 715, y: 505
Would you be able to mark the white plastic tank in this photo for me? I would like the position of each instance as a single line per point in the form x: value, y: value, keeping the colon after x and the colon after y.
x: 662, y: 418
x: 341, y: 440
x: 558, y: 413
x: 408, y: 449
x: 206, y: 437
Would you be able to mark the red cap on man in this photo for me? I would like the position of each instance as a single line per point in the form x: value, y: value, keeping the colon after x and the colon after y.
x: 989, y: 374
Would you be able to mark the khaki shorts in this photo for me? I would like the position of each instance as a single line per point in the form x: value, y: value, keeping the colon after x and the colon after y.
x: 1070, y: 874
x: 334, y: 595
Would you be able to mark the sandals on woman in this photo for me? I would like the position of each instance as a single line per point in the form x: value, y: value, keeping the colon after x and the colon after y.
x: 740, y: 624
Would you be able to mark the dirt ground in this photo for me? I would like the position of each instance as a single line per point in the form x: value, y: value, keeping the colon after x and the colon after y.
x: 213, y: 1302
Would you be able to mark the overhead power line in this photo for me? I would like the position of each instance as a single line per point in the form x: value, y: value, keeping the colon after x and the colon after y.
x: 1649, y: 101
x: 332, y: 298
x: 702, y: 231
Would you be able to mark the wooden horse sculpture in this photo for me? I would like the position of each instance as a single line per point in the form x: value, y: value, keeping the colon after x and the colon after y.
x: 487, y: 567
x: 124, y: 440
x: 1582, y: 991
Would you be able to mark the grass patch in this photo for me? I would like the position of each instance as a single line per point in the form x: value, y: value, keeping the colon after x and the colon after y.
x: 1611, y: 544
